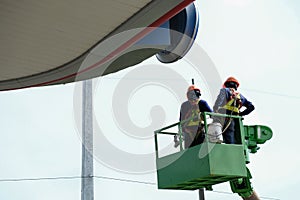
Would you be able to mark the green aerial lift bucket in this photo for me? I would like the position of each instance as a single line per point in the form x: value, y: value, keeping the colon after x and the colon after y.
x: 201, y: 166
x: 207, y: 164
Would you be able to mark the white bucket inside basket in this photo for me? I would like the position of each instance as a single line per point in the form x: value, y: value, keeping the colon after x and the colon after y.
x: 214, y: 132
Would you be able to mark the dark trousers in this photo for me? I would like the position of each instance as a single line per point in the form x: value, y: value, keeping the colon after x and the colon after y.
x: 193, y: 136
x: 228, y: 129
x: 228, y: 134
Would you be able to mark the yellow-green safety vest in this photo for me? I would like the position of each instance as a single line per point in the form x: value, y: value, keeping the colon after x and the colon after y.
x: 234, y: 108
x: 194, y: 121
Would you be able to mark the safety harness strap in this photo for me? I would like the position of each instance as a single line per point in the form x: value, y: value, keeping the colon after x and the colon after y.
x: 232, y: 104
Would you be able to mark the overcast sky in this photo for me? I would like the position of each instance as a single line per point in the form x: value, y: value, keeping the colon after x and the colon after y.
x: 255, y: 41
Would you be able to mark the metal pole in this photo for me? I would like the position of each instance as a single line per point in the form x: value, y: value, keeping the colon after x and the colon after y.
x: 87, y: 173
x: 201, y: 194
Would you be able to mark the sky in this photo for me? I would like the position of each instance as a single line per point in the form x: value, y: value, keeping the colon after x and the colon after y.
x: 255, y: 41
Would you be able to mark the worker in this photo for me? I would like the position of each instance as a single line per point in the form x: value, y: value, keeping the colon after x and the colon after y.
x: 230, y: 102
x: 192, y: 129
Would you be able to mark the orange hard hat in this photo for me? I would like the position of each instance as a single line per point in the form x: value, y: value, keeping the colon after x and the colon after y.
x: 232, y: 79
x: 192, y: 87
x: 193, y: 92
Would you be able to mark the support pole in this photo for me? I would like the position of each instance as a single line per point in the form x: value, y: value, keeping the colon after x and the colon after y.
x: 201, y: 194
x: 87, y: 173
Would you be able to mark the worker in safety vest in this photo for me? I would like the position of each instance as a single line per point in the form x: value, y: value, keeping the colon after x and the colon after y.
x: 192, y: 129
x: 230, y: 101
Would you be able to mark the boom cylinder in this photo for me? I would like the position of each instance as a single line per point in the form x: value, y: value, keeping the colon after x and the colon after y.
x: 252, y: 197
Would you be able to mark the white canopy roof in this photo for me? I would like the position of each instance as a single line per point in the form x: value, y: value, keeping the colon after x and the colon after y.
x: 44, y: 41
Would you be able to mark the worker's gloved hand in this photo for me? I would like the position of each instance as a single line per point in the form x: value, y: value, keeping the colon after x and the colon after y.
x: 176, y: 141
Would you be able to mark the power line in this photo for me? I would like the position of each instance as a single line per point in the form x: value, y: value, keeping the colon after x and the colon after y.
x: 73, y: 177
x: 229, y: 193
x: 126, y: 180
x: 102, y: 177
x: 269, y: 198
x: 272, y: 93
x: 41, y: 178
x: 187, y: 80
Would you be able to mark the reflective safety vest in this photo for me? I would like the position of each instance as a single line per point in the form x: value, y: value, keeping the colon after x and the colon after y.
x: 195, y: 121
x: 233, y: 104
x: 191, y: 115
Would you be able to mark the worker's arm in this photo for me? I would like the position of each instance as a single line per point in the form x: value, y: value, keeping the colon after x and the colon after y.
x: 183, y: 110
x: 204, y: 107
x: 221, y: 99
x: 248, y: 105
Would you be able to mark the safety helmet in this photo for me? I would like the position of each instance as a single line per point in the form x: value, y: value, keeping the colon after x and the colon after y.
x: 193, y: 93
x: 231, y: 82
